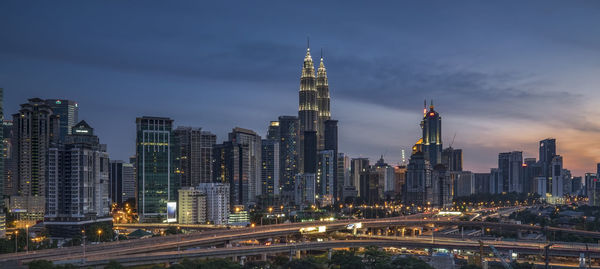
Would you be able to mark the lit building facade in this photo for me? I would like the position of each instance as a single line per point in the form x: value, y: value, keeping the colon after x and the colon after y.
x: 217, y: 201
x: 67, y: 112
x: 122, y: 181
x: 194, y: 155
x: 432, y: 136
x: 191, y: 206
x: 157, y: 183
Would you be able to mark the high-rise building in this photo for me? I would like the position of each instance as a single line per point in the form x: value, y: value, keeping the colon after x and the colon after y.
x: 418, y: 180
x: 557, y: 177
x: 308, y: 108
x: 531, y: 170
x: 157, y: 183
x: 35, y: 130
x: 305, y: 189
x: 77, y: 183
x: 289, y: 135
x: 432, y: 136
x: 323, y: 104
x: 9, y: 159
x: 122, y: 181
x: 194, y: 160
x: 252, y: 160
x: 270, y: 170
x: 443, y: 187
x: 400, y: 181
x: 464, y: 183
x: 452, y: 159
x: 310, y: 152
x: 510, y: 167
x: 342, y: 175
x: 547, y: 152
x: 191, y: 206
x: 496, y: 185
x: 326, y: 177
x: 357, y: 166
x: 67, y: 112
x: 482, y: 182
x: 217, y: 201
x: 331, y: 143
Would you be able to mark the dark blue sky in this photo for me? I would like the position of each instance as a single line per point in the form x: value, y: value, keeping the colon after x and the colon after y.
x: 503, y: 75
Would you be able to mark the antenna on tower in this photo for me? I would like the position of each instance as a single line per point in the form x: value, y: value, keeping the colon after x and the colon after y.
x: 308, y: 42
x: 453, y: 139
x: 321, y: 53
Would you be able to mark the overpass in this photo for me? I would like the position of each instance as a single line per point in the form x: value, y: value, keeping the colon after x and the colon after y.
x: 222, y: 237
x: 291, y: 249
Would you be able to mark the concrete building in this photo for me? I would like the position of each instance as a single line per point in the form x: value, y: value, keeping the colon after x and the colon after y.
x: 217, y: 202
x: 67, y: 112
x: 306, y: 189
x: 452, y: 159
x: 357, y: 166
x: 270, y: 172
x: 191, y: 206
x: 77, y: 183
x: 342, y: 175
x: 194, y: 160
x: 510, y: 169
x: 325, y: 185
x: 464, y: 183
x: 122, y: 181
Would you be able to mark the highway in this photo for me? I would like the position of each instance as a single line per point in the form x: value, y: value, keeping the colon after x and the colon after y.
x: 220, y: 237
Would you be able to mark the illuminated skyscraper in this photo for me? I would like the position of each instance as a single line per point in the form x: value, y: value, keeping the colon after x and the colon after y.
x: 67, y: 112
x: 432, y: 136
x: 308, y: 108
x: 194, y: 155
x: 322, y: 103
x: 286, y: 130
x: 510, y: 169
x: 157, y: 183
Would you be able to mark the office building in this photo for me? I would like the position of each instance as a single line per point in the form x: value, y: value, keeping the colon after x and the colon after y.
x: 251, y: 161
x: 77, y: 183
x: 308, y: 107
x: 122, y: 182
x: 9, y: 159
x: 464, y: 183
x: 194, y: 160
x: 342, y: 175
x: 557, y: 177
x: 217, y: 202
x: 400, y: 181
x: 305, y: 189
x: 442, y: 187
x: 323, y: 105
x: 418, y: 180
x: 331, y: 143
x: 452, y: 159
x: 67, y: 112
x: 270, y: 171
x: 432, y: 136
x: 325, y: 185
x: 157, y: 183
x: 289, y: 135
x: 191, y: 206
x: 35, y: 130
x: 357, y: 166
x: 482, y: 182
x: 531, y: 170
x: 510, y: 170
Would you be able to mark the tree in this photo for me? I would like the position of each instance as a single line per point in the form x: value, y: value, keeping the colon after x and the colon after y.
x: 114, y: 265
x: 346, y: 259
x: 40, y: 264
x: 375, y: 258
x: 410, y: 263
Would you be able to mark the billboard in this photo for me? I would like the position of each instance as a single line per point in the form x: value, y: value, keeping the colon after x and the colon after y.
x: 171, y: 211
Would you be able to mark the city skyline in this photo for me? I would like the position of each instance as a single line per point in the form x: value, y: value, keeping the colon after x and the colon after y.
x: 498, y: 99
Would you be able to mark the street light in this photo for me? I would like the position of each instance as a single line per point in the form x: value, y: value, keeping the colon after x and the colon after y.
x: 83, y: 232
x: 27, y: 234
x: 16, y: 240
x: 99, y: 233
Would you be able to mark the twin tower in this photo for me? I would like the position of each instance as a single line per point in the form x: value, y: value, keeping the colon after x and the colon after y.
x: 313, y: 111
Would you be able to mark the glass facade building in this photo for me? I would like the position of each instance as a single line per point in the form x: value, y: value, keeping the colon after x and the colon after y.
x: 157, y: 183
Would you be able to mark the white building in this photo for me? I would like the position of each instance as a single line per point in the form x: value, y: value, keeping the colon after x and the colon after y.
x: 191, y: 206
x: 217, y: 201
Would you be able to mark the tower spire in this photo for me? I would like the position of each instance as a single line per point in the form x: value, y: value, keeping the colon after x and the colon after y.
x: 308, y: 42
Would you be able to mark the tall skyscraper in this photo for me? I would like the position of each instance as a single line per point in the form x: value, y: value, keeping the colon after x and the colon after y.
x: 342, y: 175
x: 36, y: 128
x: 325, y: 185
x: 531, y: 170
x: 357, y: 166
x: 122, y: 181
x: 510, y: 168
x: 157, y: 183
x: 194, y: 160
x: 308, y: 107
x: 323, y: 103
x: 331, y: 143
x: 418, y: 180
x: 9, y: 159
x: 432, y: 136
x: 67, y: 112
x: 289, y: 135
x: 270, y: 170
x: 547, y: 152
x: 253, y: 159
x: 77, y: 183
x: 557, y: 177
x: 452, y: 159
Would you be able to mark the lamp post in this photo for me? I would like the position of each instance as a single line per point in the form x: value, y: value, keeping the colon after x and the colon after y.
x: 83, y: 232
x: 99, y: 233
x: 16, y: 240
x: 27, y: 236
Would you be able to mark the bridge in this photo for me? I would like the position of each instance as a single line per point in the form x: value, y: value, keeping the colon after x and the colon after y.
x: 224, y: 237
